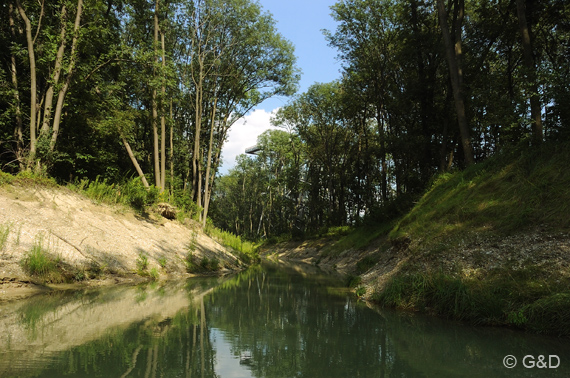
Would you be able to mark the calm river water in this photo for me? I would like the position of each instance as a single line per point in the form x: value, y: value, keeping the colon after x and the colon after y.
x: 265, y: 322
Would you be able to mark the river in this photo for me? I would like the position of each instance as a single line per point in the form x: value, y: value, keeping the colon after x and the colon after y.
x: 269, y: 321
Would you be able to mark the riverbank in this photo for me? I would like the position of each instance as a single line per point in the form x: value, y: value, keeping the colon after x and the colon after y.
x: 51, y: 236
x: 489, y: 245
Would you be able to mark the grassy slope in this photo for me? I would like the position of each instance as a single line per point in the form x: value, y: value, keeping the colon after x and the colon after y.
x: 506, y: 194
x: 509, y: 197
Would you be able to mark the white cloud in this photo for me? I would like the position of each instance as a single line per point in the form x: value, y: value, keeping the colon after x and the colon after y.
x: 243, y: 134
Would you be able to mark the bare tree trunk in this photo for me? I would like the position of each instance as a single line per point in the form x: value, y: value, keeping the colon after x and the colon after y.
x: 207, y: 187
x: 157, y: 176
x: 33, y: 83
x: 455, y: 74
x: 70, y: 70
x: 171, y: 150
x: 18, y: 131
x: 524, y: 27
x: 48, y: 105
x: 135, y: 162
x: 163, y: 124
x: 196, y: 191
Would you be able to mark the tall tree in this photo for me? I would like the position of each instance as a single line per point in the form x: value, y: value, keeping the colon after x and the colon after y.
x: 453, y: 54
x: 530, y: 70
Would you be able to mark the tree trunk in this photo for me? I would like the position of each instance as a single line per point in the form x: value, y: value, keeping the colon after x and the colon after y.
x: 207, y: 187
x: 33, y: 83
x: 196, y: 191
x: 48, y: 105
x: 171, y: 150
x: 70, y: 70
x: 157, y: 176
x: 163, y: 124
x: 18, y: 131
x: 456, y: 78
x: 535, y: 115
x: 135, y: 162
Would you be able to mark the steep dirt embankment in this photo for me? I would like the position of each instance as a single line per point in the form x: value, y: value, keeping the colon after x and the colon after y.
x: 93, y: 242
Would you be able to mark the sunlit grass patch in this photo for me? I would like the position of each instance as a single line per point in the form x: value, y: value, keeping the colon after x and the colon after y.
x: 247, y: 251
x: 40, y: 262
x: 509, y: 192
x: 357, y: 238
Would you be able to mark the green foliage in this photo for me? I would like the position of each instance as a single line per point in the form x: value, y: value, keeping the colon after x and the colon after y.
x: 162, y: 262
x: 550, y: 315
x: 361, y: 291
x: 189, y: 262
x: 27, y: 179
x: 357, y: 238
x: 6, y: 178
x: 130, y: 193
x: 520, y: 299
x: 153, y: 274
x: 142, y: 264
x: 38, y: 262
x: 353, y: 281
x: 247, y: 251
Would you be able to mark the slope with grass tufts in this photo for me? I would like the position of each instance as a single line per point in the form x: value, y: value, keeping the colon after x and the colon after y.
x: 52, y: 235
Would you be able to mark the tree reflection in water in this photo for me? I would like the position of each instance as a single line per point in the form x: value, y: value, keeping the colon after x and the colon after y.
x: 261, y: 323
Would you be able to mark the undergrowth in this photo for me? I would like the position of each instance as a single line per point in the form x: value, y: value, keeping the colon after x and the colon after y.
x: 517, y: 299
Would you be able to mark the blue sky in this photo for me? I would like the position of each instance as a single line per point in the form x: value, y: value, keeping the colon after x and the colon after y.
x: 301, y: 22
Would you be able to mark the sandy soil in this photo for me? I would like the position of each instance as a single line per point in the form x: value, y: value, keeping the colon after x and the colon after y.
x: 88, y: 236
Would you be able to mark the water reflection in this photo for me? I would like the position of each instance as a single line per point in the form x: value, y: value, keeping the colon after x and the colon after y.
x: 269, y: 322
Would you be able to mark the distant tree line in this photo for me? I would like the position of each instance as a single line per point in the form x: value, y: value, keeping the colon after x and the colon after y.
x: 115, y: 88
x: 427, y: 87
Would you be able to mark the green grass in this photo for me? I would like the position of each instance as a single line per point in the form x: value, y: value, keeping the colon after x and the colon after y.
x: 39, y: 262
x: 130, y: 193
x: 510, y: 192
x: 524, y: 299
x: 357, y: 238
x: 247, y: 251
x: 153, y: 274
x: 142, y: 264
x: 27, y: 179
x: 162, y: 262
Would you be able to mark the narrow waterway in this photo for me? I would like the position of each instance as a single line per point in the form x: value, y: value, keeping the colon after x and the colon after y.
x: 265, y: 322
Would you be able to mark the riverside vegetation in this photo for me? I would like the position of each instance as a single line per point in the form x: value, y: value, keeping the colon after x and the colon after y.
x: 433, y: 171
x: 488, y: 245
x: 43, y: 261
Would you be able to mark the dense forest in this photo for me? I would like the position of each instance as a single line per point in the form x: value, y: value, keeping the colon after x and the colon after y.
x: 149, y: 89
x: 120, y: 88
x: 427, y: 87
